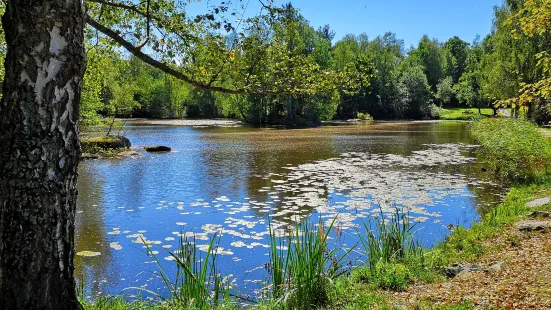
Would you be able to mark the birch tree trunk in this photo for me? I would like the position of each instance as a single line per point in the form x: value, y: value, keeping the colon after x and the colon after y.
x: 39, y: 152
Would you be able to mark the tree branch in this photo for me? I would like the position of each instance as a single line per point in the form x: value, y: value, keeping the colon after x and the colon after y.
x: 164, y: 67
x: 119, y: 5
x: 148, y: 15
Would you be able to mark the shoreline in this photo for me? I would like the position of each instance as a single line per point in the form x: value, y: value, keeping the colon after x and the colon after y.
x: 220, y: 122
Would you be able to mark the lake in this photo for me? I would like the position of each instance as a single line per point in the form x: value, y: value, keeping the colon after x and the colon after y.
x: 235, y: 180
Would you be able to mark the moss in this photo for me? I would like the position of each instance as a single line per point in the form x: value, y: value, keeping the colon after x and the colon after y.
x: 105, y: 145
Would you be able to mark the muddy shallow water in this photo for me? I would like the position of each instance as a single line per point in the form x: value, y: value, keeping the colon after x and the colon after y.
x: 234, y: 180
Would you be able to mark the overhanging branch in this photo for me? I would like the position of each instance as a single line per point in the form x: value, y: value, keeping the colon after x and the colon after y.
x: 136, y: 51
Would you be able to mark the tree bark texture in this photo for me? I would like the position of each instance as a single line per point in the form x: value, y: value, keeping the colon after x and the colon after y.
x: 39, y: 152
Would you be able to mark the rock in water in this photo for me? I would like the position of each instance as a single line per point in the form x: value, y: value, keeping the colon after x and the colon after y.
x: 157, y: 149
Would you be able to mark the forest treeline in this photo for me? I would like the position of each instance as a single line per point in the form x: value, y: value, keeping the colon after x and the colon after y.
x: 379, y: 76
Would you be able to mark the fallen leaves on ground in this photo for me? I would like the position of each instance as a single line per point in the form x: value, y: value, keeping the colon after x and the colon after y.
x: 523, y: 282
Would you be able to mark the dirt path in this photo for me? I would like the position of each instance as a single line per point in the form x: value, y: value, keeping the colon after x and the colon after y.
x: 523, y: 281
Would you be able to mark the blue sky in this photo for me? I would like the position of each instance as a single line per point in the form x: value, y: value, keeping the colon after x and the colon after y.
x: 409, y: 19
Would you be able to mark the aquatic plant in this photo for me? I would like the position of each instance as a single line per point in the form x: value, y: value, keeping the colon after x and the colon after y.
x: 394, y: 254
x: 197, y: 284
x: 391, y: 240
x: 301, y: 275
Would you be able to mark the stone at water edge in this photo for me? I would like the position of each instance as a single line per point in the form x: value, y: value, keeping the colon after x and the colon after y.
x: 129, y: 154
x: 539, y: 202
x: 540, y: 214
x: 89, y: 156
x: 534, y: 226
x: 157, y: 149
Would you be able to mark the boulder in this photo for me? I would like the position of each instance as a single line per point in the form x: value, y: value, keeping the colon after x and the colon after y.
x: 157, y: 149
x: 534, y: 226
x: 539, y: 202
x: 455, y: 269
x: 494, y: 268
x: 540, y: 214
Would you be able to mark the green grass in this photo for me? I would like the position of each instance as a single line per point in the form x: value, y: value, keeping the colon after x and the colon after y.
x: 468, y: 244
x: 457, y: 114
x: 515, y: 150
x: 395, y: 257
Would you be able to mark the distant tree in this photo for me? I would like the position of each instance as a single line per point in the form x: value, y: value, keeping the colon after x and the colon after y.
x: 532, y: 22
x: 429, y: 56
x: 445, y: 90
x: 455, y: 54
x: 326, y: 33
x: 414, y: 90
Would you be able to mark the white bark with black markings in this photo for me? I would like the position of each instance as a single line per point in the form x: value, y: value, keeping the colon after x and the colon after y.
x: 39, y: 152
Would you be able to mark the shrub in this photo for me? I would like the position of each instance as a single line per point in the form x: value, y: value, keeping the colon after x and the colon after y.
x: 435, y: 111
x: 364, y: 116
x: 514, y: 149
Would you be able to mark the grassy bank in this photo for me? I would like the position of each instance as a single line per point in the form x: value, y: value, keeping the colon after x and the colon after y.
x: 465, y: 114
x: 396, y: 272
x: 515, y: 150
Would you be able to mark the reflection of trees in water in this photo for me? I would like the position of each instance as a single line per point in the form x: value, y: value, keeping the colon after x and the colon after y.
x: 241, y: 159
x: 90, y: 231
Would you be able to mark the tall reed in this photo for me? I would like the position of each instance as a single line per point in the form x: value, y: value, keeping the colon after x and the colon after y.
x: 390, y: 239
x: 197, y: 284
x: 301, y: 275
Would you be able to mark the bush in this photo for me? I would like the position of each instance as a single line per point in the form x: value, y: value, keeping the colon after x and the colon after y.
x: 364, y: 116
x: 435, y: 111
x: 516, y: 150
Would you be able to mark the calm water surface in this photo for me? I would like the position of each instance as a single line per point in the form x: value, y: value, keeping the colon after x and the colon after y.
x: 234, y: 180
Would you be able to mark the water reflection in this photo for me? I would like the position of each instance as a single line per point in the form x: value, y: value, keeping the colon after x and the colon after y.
x: 231, y: 180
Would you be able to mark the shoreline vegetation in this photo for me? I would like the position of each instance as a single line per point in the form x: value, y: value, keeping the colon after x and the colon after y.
x: 102, y: 140
x: 398, y: 274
